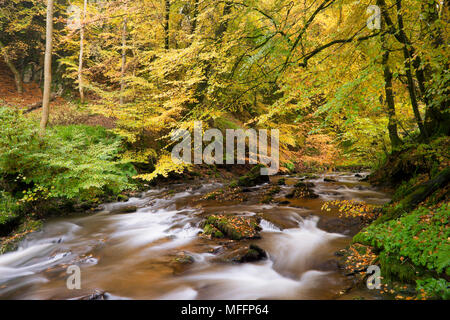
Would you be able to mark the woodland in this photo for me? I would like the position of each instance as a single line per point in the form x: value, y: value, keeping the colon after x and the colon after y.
x: 91, y: 91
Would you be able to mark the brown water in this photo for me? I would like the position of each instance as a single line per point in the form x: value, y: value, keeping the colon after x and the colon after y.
x: 131, y: 256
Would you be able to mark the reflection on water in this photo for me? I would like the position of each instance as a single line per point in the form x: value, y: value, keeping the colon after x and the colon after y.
x: 131, y: 255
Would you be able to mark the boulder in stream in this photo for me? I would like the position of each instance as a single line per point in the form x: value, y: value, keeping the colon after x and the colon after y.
x: 303, y: 190
x: 124, y: 209
x: 242, y: 254
x: 232, y: 227
x: 253, y: 177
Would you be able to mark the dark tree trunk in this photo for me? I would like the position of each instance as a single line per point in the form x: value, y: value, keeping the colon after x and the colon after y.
x: 392, y: 125
x: 409, y: 76
x: 437, y: 119
x: 195, y: 17
x: 166, y: 26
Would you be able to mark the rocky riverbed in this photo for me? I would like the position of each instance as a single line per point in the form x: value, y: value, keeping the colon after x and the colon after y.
x: 249, y: 239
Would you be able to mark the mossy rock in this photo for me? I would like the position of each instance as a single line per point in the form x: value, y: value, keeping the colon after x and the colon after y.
x: 241, y: 254
x: 254, y: 253
x: 303, y: 190
x: 302, y: 184
x: 232, y: 227
x: 267, y: 199
x: 212, y: 231
x: 184, y: 259
x: 281, y: 182
x: 253, y: 177
x: 122, y: 198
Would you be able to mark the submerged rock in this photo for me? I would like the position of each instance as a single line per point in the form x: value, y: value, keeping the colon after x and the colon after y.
x: 329, y: 179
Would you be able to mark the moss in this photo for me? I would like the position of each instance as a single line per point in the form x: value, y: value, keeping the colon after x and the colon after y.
x: 184, y: 259
x: 218, y: 234
x: 28, y: 226
x: 392, y: 268
x: 122, y: 198
x: 303, y: 190
x: 232, y: 227
x: 213, y: 195
x: 414, y: 196
x: 274, y: 190
x: 253, y: 177
x: 233, y: 184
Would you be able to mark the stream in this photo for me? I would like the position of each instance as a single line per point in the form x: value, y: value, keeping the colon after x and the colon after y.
x: 131, y: 256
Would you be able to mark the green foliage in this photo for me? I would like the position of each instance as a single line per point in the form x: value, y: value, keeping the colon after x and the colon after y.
x: 290, y: 166
x: 73, y: 162
x: 405, y: 188
x: 431, y: 288
x: 9, y: 208
x: 420, y: 237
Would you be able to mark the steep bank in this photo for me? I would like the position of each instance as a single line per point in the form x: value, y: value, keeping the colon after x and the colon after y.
x: 411, y: 238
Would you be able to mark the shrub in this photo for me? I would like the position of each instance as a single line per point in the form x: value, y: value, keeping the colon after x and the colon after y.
x: 71, y: 162
x: 433, y: 289
x: 9, y: 208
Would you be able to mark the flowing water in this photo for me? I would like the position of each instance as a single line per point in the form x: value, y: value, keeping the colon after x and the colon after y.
x: 131, y: 256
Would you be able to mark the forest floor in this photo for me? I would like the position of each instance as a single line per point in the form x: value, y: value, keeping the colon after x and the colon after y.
x: 63, y: 112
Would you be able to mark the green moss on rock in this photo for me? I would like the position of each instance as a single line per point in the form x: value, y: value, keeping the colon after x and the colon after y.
x: 232, y: 227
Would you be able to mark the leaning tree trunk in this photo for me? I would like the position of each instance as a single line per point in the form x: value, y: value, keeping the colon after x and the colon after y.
x: 80, y: 62
x: 47, y: 68
x: 12, y: 67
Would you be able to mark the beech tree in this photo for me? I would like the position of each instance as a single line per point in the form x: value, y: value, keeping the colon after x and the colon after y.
x: 47, y: 67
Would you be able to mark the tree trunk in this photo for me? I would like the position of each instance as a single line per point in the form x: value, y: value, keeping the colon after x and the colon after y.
x: 437, y: 119
x: 80, y: 62
x: 392, y: 125
x: 166, y: 26
x: 124, y: 61
x: 195, y: 17
x: 17, y: 75
x: 47, y: 68
x: 407, y: 63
